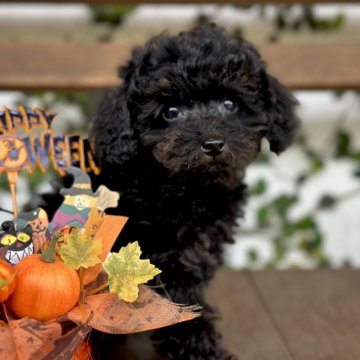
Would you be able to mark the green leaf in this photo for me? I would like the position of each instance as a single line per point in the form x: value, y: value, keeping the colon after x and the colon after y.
x: 312, y: 243
x: 301, y: 179
x: 262, y: 158
x: 326, y: 202
x: 252, y: 256
x: 283, y: 203
x: 288, y: 229
x: 316, y: 163
x: 357, y: 172
x: 355, y: 155
x: 305, y: 223
x: 280, y: 249
x: 126, y: 271
x: 79, y: 251
x: 343, y: 144
x: 317, y: 23
x: 263, y: 217
x: 258, y: 188
x: 111, y: 14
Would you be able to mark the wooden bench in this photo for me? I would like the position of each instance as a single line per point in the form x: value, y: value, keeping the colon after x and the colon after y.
x: 93, y: 66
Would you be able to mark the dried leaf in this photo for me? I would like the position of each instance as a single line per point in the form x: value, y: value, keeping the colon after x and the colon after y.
x: 67, y: 345
x: 34, y: 339
x: 108, y: 232
x: 7, y: 344
x: 126, y: 271
x: 112, y: 315
x: 79, y: 251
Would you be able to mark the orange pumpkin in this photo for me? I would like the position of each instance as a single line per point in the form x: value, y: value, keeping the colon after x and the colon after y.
x: 7, y: 280
x: 44, y: 290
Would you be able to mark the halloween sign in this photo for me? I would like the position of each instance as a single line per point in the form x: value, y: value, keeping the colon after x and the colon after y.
x: 20, y: 152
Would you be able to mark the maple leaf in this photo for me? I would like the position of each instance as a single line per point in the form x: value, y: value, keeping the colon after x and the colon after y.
x: 80, y: 251
x: 126, y: 271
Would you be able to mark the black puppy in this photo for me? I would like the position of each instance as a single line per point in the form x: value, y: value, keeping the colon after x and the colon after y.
x: 175, y: 139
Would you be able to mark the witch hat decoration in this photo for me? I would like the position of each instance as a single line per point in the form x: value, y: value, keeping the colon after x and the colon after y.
x: 81, y: 185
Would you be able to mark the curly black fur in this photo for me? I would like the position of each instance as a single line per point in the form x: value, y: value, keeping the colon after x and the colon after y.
x: 181, y: 196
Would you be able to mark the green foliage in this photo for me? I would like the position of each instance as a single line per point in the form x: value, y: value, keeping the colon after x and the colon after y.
x: 316, y: 23
x: 301, y: 234
x: 327, y: 201
x: 357, y: 172
x: 113, y: 15
x: 282, y: 204
x: 252, y: 256
x: 262, y: 158
x: 343, y: 144
x: 278, y: 207
x: 263, y: 217
x: 286, y: 20
x: 258, y: 188
x: 317, y: 163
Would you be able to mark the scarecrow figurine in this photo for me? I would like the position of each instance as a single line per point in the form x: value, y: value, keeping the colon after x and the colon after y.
x: 79, y: 200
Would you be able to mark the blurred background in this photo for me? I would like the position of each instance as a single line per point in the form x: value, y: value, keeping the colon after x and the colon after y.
x: 303, y: 209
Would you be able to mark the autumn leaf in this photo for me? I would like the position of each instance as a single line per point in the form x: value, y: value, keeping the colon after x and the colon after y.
x: 80, y: 251
x: 126, y: 271
x: 33, y: 339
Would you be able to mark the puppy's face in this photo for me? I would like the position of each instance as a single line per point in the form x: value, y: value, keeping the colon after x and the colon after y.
x: 200, y: 107
x: 205, y: 135
x: 197, y: 102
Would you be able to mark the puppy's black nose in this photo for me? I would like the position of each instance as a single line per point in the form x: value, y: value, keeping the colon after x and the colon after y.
x: 213, y: 147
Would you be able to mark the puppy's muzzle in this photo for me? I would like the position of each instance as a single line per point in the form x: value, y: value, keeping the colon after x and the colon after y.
x: 213, y: 147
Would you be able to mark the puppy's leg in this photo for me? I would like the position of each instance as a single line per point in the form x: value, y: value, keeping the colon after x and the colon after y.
x: 193, y: 340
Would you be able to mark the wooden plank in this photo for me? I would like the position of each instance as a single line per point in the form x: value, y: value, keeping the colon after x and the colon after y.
x: 235, y: 2
x: 60, y: 66
x: 246, y: 328
x: 318, y: 312
x: 315, y: 66
x: 93, y: 66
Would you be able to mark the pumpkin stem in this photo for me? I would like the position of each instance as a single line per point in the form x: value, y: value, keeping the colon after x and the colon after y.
x: 49, y: 255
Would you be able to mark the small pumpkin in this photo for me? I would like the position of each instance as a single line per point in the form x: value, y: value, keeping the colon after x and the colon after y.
x: 46, y: 288
x: 7, y: 280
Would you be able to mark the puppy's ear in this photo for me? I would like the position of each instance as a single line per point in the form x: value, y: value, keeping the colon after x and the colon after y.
x: 280, y: 110
x: 111, y: 130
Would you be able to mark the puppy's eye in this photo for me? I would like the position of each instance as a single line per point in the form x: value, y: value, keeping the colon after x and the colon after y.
x: 229, y: 105
x: 171, y: 113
